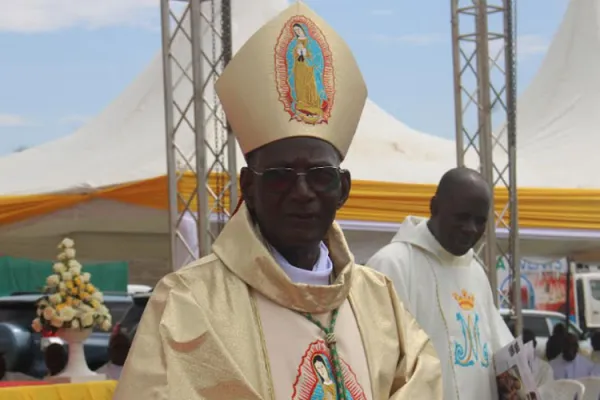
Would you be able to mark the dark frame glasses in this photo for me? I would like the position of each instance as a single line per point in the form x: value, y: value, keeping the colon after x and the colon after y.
x: 320, y: 179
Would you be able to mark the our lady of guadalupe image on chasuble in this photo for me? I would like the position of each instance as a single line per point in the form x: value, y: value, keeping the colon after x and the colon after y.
x: 315, y: 377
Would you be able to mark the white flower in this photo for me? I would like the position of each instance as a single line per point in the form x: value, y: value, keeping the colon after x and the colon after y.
x: 98, y: 296
x: 104, y: 311
x: 87, y: 320
x: 67, y: 314
x: 105, y: 326
x: 67, y: 276
x: 56, y: 322
x: 74, y: 267
x: 85, y: 308
x: 48, y: 313
x: 63, y: 257
x: 85, y: 277
x: 52, y: 281
x: 70, y: 253
x: 36, y: 325
x: 66, y: 244
x: 62, y: 286
x: 75, y: 324
x: 55, y: 298
x: 59, y: 267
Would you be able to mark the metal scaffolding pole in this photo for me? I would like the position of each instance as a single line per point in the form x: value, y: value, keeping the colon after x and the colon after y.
x: 484, y: 59
x: 201, y: 164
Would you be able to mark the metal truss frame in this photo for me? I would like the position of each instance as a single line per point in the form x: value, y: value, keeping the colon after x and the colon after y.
x: 210, y: 163
x: 484, y: 60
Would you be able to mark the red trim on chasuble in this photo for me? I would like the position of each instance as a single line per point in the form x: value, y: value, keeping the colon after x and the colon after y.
x: 315, y: 369
x: 304, y: 71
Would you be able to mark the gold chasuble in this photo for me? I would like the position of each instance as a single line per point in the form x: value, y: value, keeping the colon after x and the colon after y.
x: 233, y: 326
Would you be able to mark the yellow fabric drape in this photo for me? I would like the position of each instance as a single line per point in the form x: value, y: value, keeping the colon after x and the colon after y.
x: 369, y: 201
x: 102, y: 390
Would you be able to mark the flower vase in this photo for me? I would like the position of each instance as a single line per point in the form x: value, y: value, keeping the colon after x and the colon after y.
x: 77, y: 369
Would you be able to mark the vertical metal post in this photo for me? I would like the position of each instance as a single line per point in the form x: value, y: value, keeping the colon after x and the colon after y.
x: 231, y: 140
x: 481, y: 85
x: 457, y: 69
x: 194, y: 124
x: 202, y: 174
x: 484, y: 117
x: 169, y: 126
x: 510, y: 56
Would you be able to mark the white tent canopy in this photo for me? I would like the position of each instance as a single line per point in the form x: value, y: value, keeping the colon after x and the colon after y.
x: 558, y: 114
x: 126, y: 143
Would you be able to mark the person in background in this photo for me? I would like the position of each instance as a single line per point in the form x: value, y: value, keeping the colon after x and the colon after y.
x: 595, y: 342
x: 572, y: 365
x: 6, y: 375
x: 436, y: 275
x: 542, y: 371
x: 3, y: 368
x: 555, y: 344
x: 118, y: 349
x: 55, y: 357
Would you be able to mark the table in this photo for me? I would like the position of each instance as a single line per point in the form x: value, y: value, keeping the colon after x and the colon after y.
x: 102, y: 390
x: 5, y: 384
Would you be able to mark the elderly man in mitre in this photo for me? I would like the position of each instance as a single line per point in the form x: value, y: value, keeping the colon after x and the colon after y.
x: 280, y: 310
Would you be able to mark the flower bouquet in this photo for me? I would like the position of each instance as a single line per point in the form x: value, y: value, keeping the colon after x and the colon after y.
x: 70, y: 300
x: 70, y: 308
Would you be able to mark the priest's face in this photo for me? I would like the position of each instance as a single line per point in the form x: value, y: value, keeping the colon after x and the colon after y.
x: 294, y: 187
x: 460, y: 216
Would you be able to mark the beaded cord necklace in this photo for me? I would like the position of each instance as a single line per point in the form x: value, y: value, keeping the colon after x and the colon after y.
x: 331, y: 342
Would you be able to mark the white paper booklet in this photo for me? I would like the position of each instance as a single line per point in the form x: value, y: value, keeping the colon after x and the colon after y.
x: 513, y: 372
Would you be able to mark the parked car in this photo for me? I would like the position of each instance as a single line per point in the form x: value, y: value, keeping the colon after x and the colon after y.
x: 22, y: 346
x: 129, y: 323
x: 541, y: 323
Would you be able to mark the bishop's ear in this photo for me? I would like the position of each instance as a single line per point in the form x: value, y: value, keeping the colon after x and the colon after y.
x: 346, y: 185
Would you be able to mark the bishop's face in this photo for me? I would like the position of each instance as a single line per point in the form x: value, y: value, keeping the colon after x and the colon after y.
x: 294, y: 188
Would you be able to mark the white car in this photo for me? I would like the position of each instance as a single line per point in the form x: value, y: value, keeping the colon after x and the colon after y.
x: 541, y: 323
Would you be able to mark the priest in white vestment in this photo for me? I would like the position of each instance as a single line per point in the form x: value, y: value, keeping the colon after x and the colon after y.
x: 279, y: 310
x: 432, y: 266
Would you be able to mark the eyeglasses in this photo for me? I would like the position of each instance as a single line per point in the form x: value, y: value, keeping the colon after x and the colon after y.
x: 320, y: 179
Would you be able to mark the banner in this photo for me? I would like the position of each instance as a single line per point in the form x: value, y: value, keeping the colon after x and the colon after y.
x: 543, y: 286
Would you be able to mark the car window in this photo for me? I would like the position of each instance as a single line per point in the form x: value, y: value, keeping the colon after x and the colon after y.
x: 132, y: 317
x: 18, y: 313
x: 117, y: 308
x: 572, y: 328
x: 537, y: 324
x: 595, y: 288
x: 22, y: 313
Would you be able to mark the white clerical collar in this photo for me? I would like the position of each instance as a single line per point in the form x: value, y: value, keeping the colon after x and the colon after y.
x: 318, y: 276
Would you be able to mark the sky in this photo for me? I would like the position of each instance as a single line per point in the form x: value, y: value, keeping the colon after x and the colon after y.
x: 63, y: 61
